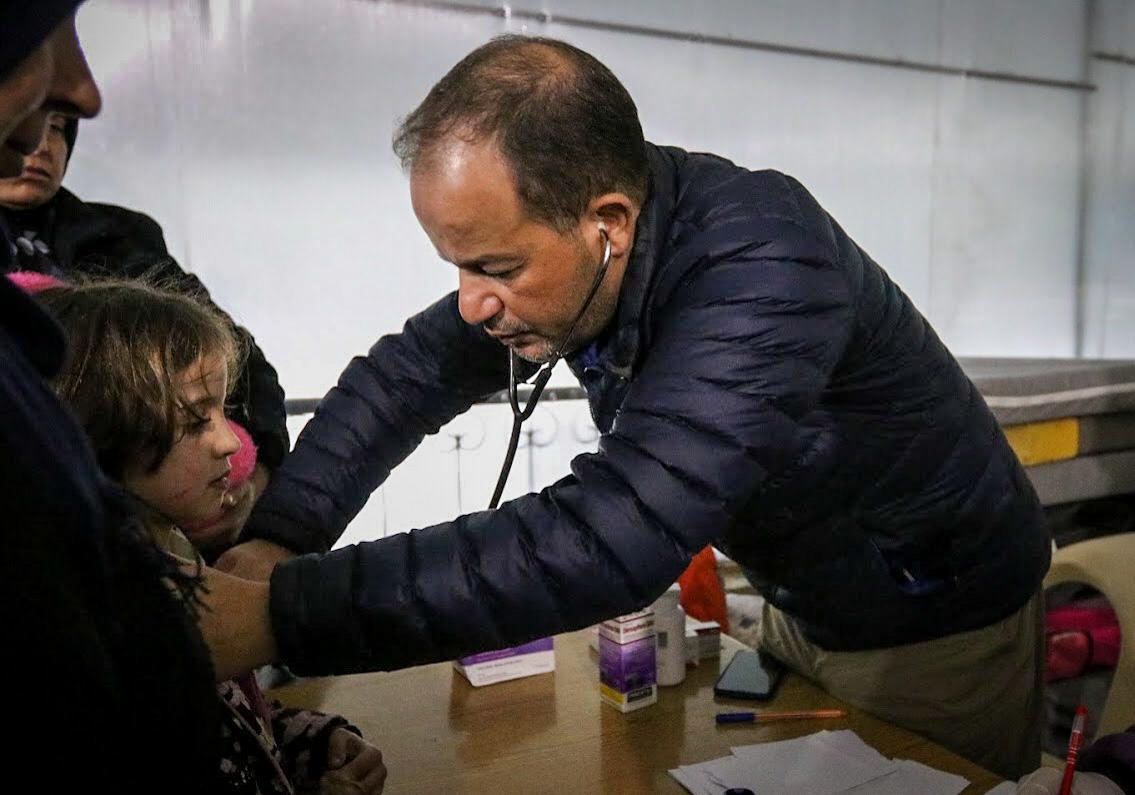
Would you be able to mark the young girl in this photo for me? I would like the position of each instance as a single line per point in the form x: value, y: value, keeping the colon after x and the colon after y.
x: 147, y: 377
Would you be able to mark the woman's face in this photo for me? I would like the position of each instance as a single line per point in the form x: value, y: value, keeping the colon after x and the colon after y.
x: 43, y: 169
x: 190, y: 484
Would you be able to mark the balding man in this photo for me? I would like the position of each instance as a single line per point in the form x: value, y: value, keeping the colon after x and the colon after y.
x: 759, y: 382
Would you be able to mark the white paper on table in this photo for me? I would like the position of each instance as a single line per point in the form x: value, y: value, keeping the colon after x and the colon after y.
x: 812, y: 765
x: 824, y: 763
x: 1004, y: 788
x: 913, y: 777
x: 696, y: 778
x: 851, y: 744
x: 844, y: 740
x: 688, y: 781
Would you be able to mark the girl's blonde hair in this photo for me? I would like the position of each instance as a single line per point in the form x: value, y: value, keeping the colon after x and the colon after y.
x: 128, y: 342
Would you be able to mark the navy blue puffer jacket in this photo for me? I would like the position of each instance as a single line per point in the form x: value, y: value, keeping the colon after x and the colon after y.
x: 764, y: 387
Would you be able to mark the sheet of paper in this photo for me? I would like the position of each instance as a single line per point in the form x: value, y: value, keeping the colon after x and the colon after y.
x: 696, y: 779
x: 850, y: 743
x: 844, y: 740
x: 909, y: 777
x: 812, y: 765
x: 824, y: 763
x: 1004, y: 788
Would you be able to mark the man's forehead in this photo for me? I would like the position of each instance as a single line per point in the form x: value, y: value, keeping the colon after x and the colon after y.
x: 465, y: 199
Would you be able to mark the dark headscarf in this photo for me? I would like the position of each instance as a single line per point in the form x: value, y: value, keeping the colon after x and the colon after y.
x: 25, y: 24
x: 70, y: 133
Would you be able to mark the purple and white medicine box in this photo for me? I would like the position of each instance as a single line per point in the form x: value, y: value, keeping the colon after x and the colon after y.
x: 537, y: 657
x: 627, y: 672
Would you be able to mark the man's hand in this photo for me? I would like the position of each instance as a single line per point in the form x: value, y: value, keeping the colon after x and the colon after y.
x: 237, y: 507
x: 253, y: 560
x: 235, y: 623
x: 353, y: 766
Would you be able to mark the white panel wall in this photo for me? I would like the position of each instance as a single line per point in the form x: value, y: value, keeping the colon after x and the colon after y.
x: 258, y: 133
x: 1002, y: 260
x: 1109, y: 244
x: 1040, y: 38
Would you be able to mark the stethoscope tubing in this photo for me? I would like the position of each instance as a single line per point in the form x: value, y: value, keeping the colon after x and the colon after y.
x: 519, y: 415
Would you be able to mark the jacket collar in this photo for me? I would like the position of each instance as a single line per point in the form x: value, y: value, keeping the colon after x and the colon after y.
x: 59, y: 223
x: 618, y: 347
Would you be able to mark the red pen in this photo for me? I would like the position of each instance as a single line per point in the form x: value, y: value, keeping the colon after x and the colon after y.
x: 1074, y: 742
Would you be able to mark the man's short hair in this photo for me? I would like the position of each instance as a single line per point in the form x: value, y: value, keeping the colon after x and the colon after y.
x: 565, y: 125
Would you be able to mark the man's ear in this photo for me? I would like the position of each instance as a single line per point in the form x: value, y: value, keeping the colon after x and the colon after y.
x: 615, y: 213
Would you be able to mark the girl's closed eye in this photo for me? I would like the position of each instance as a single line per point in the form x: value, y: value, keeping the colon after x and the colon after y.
x: 199, y: 416
x: 198, y: 424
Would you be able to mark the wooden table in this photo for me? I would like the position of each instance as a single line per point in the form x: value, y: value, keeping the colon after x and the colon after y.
x: 550, y: 733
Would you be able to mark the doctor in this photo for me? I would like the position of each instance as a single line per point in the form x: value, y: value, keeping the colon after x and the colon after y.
x: 760, y: 383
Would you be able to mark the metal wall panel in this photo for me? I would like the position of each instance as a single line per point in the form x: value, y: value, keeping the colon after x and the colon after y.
x: 1034, y: 37
x: 1004, y: 219
x: 1109, y: 217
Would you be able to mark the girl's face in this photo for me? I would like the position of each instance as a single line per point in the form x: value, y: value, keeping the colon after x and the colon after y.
x: 190, y: 484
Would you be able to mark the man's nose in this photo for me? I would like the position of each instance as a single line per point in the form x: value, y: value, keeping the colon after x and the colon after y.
x: 73, y: 90
x: 476, y: 299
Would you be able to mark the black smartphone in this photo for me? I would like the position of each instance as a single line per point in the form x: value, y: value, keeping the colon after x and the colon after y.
x: 749, y: 675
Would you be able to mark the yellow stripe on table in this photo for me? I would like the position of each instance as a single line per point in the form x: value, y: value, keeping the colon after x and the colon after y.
x: 1043, y: 442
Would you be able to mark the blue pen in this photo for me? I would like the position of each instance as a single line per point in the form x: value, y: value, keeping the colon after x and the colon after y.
x: 765, y: 717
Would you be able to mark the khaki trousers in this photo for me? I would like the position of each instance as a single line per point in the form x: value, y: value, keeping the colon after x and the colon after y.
x: 977, y: 693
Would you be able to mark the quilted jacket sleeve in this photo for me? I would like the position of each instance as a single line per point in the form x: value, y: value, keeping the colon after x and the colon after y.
x: 739, y: 354
x: 407, y: 386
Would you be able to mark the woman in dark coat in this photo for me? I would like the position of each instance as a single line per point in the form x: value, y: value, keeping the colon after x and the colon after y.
x: 97, y: 622
x: 57, y: 233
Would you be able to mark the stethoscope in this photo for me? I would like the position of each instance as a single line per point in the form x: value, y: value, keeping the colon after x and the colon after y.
x: 540, y: 380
